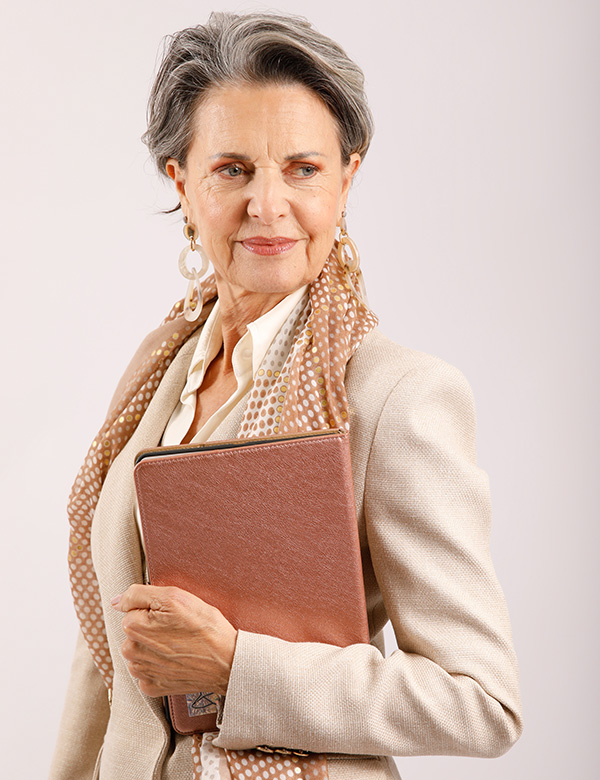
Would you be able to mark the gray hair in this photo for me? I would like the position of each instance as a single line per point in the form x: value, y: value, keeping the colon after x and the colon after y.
x: 255, y: 48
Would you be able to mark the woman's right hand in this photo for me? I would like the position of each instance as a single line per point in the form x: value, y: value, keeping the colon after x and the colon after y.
x: 176, y: 643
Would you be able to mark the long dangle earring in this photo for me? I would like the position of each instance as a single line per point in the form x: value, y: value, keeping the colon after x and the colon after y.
x: 191, y: 307
x: 349, y: 259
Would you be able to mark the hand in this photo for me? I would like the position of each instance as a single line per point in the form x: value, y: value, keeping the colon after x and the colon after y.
x: 176, y: 643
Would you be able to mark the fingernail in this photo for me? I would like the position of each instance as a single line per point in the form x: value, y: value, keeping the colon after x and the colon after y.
x: 115, y: 601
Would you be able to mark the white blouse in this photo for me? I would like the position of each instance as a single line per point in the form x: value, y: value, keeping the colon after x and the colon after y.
x: 247, y: 356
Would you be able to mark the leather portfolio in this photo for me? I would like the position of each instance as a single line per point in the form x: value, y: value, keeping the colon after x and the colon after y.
x: 263, y: 529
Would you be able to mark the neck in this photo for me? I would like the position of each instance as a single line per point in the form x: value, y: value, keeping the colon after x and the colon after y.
x: 238, y: 308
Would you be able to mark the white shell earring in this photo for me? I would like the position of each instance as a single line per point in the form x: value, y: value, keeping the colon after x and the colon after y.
x: 191, y: 307
x: 349, y: 261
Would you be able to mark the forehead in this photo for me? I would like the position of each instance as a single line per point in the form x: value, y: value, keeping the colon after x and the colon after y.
x: 280, y: 117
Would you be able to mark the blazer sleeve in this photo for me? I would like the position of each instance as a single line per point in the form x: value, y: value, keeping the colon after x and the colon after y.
x: 84, y: 720
x: 452, y: 686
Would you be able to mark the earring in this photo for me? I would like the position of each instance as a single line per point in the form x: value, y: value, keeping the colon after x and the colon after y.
x: 191, y: 308
x: 349, y: 261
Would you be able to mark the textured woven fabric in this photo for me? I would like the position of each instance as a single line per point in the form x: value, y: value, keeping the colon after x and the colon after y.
x: 306, y: 393
x: 423, y: 511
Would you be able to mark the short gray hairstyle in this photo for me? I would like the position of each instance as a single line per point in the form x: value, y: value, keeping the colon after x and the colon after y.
x: 254, y: 48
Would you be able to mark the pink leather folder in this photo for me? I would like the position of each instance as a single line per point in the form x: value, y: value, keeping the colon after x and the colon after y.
x: 263, y: 529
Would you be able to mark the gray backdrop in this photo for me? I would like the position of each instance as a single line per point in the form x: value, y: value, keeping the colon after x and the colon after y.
x: 477, y: 216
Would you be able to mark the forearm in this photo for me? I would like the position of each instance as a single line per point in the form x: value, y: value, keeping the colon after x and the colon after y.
x: 352, y: 700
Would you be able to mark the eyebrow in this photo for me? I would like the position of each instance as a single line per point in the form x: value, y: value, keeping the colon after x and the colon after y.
x: 245, y: 158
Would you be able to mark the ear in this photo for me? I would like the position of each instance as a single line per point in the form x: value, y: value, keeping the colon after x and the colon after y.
x: 349, y: 173
x: 177, y: 173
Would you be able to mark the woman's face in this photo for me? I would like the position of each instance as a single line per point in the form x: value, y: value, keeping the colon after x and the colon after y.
x: 264, y: 185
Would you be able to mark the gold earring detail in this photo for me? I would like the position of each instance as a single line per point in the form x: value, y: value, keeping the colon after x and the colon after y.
x: 191, y: 308
x: 348, y: 260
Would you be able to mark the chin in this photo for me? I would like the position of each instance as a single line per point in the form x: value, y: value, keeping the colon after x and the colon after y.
x: 275, y: 274
x: 275, y: 286
x: 276, y: 278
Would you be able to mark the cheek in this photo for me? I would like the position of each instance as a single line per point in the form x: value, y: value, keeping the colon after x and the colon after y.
x: 218, y: 216
x: 319, y: 216
x: 215, y: 210
x: 320, y: 221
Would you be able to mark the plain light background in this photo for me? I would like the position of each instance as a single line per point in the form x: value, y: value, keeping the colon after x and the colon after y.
x: 477, y: 214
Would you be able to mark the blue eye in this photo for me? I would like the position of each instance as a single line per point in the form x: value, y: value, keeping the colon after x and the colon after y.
x: 306, y: 170
x: 233, y: 171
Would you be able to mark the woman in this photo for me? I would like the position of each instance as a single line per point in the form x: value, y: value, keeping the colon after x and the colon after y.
x: 261, y: 123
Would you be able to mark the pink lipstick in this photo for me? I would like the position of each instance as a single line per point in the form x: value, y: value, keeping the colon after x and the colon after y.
x: 269, y: 246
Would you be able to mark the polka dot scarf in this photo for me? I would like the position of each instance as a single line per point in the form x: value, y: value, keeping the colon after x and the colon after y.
x: 302, y: 391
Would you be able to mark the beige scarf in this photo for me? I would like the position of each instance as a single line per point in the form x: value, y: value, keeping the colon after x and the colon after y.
x: 307, y: 393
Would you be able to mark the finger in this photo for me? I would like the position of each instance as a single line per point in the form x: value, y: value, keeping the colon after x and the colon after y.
x: 133, y: 651
x: 145, y: 668
x: 140, y: 660
x: 144, y: 597
x: 148, y: 642
x: 150, y: 687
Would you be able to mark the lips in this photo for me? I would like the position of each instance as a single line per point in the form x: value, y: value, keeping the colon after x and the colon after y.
x: 260, y: 245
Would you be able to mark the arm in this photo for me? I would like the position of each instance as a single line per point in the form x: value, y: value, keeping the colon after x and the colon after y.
x: 84, y: 720
x: 452, y: 687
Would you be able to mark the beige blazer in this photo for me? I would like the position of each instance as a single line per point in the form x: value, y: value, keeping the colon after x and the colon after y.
x: 424, y: 521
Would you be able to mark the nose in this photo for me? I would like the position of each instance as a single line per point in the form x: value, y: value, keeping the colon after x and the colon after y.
x: 267, y: 196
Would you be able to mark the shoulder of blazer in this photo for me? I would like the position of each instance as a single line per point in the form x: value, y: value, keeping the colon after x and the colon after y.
x: 380, y: 369
x: 379, y: 364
